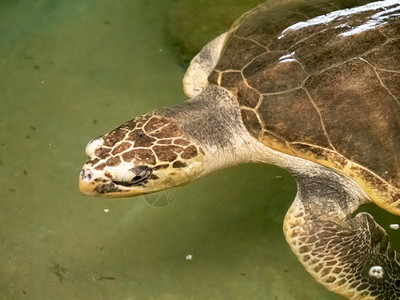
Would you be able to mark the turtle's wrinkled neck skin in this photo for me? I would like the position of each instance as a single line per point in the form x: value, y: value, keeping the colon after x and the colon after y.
x: 170, y: 147
x: 221, y: 133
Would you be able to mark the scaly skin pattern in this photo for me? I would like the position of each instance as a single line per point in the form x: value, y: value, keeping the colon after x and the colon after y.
x: 147, y: 153
x: 340, y: 262
x: 349, y: 255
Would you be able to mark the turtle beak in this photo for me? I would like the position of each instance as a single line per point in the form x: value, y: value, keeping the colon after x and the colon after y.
x: 92, y: 183
x: 86, y: 189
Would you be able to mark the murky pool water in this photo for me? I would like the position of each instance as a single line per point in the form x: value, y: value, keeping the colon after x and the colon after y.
x: 70, y: 71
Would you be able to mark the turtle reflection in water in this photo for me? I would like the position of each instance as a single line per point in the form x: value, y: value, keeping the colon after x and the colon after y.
x: 304, y: 86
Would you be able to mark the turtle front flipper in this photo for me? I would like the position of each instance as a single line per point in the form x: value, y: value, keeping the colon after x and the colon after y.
x: 196, y: 76
x: 349, y: 256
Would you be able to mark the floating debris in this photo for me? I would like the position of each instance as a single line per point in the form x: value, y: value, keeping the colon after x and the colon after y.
x: 105, y: 278
x: 394, y: 226
x: 376, y: 271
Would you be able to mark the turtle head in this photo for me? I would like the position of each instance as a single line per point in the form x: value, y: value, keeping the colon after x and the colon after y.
x: 144, y: 155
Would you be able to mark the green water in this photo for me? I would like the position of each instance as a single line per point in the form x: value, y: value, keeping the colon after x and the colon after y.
x: 70, y: 71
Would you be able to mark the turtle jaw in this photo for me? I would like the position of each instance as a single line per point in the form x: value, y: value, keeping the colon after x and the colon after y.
x: 110, y: 183
x: 93, y: 183
x: 105, y: 187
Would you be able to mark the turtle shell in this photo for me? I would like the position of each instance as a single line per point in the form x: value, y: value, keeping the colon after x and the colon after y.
x: 322, y: 86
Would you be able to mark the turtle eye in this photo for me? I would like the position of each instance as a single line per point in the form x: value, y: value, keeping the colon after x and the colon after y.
x: 141, y: 174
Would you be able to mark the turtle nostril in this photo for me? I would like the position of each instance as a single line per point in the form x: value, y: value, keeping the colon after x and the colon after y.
x: 86, y: 174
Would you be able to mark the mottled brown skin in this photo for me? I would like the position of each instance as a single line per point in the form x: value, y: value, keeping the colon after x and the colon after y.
x: 317, y: 93
x: 149, y: 140
x: 159, y: 145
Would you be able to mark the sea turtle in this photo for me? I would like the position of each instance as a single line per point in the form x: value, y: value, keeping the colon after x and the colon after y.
x: 309, y: 88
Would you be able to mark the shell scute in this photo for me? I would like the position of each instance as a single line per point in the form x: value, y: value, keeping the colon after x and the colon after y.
x: 244, y: 51
x: 274, y: 72
x: 284, y: 112
x: 360, y: 116
x: 247, y: 96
